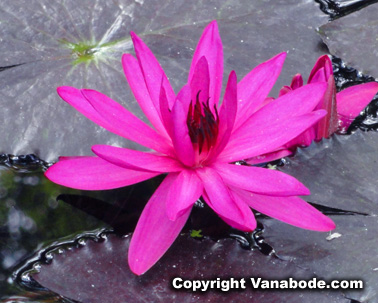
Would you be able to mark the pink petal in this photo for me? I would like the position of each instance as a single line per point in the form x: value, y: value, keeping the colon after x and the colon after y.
x: 219, y: 198
x: 138, y: 86
x: 184, y: 192
x: 270, y: 157
x: 133, y: 159
x: 327, y: 126
x: 323, y: 62
x: 200, y: 82
x: 260, y: 180
x: 255, y: 87
x: 210, y: 46
x: 154, y: 232
x: 93, y: 173
x: 112, y: 116
x: 165, y: 111
x: 319, y: 76
x: 152, y: 72
x: 75, y: 98
x: 284, y: 90
x: 268, y: 137
x: 352, y: 100
x: 299, y: 102
x: 304, y: 139
x: 180, y: 133
x: 125, y: 123
x: 291, y: 210
x: 227, y: 114
x: 249, y: 217
x: 296, y: 82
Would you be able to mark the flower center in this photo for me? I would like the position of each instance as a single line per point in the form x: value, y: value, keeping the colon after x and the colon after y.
x: 202, y: 125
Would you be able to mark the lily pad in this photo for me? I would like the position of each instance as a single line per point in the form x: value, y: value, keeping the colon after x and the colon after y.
x: 341, y: 173
x: 98, y: 272
x: 337, y: 8
x: 353, y: 38
x: 348, y: 253
x: 54, y: 43
x: 32, y: 217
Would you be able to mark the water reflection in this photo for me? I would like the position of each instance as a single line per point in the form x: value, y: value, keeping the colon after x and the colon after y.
x: 31, y: 217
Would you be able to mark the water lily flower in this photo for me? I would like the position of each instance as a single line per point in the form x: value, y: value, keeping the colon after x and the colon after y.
x: 342, y: 107
x: 196, y: 142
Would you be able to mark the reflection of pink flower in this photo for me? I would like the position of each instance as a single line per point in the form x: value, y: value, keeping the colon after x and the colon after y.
x: 342, y: 108
x: 194, y: 141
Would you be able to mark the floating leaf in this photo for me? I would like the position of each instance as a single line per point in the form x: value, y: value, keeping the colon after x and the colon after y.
x: 348, y: 253
x: 98, y: 272
x: 337, y: 8
x: 353, y: 39
x: 80, y: 43
x: 341, y: 173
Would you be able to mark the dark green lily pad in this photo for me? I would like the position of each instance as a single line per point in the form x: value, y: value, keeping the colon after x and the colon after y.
x: 98, y: 272
x: 340, y: 172
x: 80, y: 43
x: 353, y: 38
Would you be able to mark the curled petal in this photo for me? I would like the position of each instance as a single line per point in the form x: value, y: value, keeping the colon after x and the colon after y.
x: 93, y: 173
x: 154, y: 232
x: 133, y: 159
x: 291, y: 210
x: 260, y: 180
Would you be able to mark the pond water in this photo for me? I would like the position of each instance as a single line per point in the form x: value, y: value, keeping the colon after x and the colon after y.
x: 40, y: 220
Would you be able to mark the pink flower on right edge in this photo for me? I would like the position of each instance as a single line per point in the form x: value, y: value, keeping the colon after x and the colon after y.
x: 342, y: 108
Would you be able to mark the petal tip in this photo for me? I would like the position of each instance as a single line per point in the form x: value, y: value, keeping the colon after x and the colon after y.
x: 327, y: 225
x: 63, y: 90
x: 137, y: 270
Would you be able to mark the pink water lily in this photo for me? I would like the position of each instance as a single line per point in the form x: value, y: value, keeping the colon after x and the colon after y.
x: 342, y: 107
x: 196, y: 141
